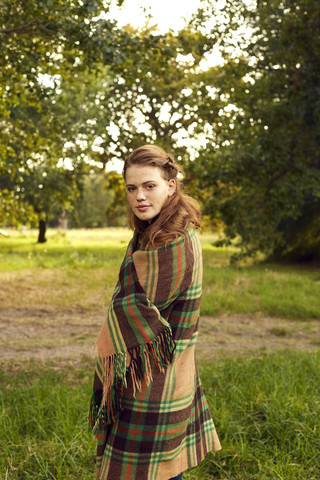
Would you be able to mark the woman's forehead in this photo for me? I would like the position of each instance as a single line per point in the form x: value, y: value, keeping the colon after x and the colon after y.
x: 143, y: 173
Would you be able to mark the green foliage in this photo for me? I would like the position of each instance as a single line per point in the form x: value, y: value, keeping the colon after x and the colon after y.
x: 102, y: 201
x: 155, y: 95
x: 48, y: 93
x: 91, y: 206
x: 117, y: 211
x: 75, y: 90
x: 262, y: 170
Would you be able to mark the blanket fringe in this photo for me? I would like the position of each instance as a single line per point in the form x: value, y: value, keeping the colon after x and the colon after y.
x: 93, y: 411
x: 102, y: 414
x: 161, y: 349
x: 115, y: 369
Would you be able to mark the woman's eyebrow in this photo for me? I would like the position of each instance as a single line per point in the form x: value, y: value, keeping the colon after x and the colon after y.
x: 144, y: 183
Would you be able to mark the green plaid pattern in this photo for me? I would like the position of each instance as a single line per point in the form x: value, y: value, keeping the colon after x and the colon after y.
x: 163, y: 427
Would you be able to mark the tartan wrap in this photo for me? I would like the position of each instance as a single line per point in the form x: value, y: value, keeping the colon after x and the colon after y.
x: 148, y: 411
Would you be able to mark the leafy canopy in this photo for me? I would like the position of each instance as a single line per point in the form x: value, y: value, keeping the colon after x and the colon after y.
x: 260, y: 170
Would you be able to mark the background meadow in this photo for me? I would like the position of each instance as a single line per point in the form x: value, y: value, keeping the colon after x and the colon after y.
x: 258, y: 354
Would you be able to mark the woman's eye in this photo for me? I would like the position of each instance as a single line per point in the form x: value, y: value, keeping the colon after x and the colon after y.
x: 149, y: 187
x: 130, y: 189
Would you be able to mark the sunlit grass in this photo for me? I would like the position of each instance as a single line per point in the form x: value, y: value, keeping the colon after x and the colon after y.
x: 80, y: 267
x: 74, y: 248
x: 275, y: 290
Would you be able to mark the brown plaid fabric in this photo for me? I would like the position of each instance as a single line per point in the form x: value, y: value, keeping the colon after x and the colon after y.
x: 148, y: 410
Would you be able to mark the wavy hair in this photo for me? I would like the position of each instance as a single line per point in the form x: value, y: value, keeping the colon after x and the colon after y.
x: 179, y: 212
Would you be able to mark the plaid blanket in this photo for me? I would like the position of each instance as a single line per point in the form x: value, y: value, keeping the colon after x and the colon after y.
x: 148, y: 411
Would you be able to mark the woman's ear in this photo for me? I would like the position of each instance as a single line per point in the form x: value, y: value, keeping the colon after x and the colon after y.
x: 172, y: 186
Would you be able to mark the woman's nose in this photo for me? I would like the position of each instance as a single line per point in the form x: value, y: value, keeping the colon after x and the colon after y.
x: 140, y: 194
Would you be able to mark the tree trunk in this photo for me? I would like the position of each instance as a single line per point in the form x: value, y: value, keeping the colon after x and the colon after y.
x: 42, y: 231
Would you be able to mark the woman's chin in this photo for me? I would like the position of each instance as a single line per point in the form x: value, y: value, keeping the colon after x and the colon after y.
x: 146, y: 216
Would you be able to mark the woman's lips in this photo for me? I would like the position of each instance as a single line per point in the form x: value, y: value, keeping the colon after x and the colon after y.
x: 143, y: 208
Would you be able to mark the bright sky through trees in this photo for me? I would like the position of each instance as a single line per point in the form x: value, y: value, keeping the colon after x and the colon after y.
x: 167, y: 14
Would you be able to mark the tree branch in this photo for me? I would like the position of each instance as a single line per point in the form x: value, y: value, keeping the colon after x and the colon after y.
x: 21, y: 28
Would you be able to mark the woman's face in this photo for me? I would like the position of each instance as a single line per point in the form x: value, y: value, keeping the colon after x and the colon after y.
x: 147, y: 190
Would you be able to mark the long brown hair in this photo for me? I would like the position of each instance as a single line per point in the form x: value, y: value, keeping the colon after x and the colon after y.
x: 180, y: 210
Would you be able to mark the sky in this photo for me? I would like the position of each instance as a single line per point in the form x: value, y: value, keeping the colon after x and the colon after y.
x: 166, y: 13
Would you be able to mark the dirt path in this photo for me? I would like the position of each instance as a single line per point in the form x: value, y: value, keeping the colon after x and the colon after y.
x: 44, y: 334
x: 238, y: 334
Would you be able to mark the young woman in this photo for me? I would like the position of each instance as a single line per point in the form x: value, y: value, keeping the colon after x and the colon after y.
x: 148, y: 411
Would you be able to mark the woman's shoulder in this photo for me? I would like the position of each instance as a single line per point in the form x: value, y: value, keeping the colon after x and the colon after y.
x: 186, y: 236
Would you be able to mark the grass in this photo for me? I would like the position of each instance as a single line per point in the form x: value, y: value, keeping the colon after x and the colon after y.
x: 274, y: 290
x: 266, y: 411
x: 78, y: 249
x: 83, y: 267
x: 44, y: 431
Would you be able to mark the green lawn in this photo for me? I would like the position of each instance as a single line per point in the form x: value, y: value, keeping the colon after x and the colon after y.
x: 86, y: 260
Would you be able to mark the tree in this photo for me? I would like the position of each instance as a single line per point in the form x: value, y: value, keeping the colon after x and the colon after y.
x: 65, y: 130
x: 49, y: 191
x: 157, y: 94
x: 73, y: 73
x: 47, y: 49
x: 261, y: 173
